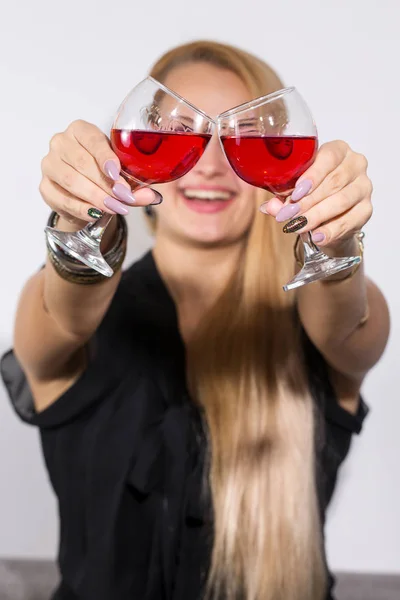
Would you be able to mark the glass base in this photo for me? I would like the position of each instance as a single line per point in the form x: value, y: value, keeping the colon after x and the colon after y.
x: 319, y: 266
x: 82, y: 247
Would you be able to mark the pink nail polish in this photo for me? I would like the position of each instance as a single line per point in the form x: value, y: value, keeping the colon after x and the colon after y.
x: 111, y: 169
x: 301, y: 190
x: 263, y: 208
x: 115, y: 206
x: 123, y: 193
x: 318, y: 237
x: 287, y: 212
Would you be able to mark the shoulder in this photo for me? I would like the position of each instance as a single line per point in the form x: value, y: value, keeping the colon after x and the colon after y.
x: 117, y: 348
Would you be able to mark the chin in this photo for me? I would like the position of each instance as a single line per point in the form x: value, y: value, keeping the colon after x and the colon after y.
x: 210, y: 239
x: 215, y: 233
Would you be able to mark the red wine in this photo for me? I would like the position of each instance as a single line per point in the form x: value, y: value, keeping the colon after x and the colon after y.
x: 271, y: 163
x: 157, y: 157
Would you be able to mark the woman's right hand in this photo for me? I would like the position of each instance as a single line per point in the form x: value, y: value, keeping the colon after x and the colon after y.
x: 81, y: 172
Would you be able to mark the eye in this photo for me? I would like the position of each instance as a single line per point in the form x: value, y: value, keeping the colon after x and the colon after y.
x: 248, y: 127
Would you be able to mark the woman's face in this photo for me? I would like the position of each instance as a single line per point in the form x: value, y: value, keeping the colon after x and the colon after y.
x: 210, y: 206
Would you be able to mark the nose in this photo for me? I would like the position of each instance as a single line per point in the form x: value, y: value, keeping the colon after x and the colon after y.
x: 213, y: 162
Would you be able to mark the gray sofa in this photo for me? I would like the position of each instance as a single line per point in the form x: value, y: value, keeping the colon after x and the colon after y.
x: 35, y: 580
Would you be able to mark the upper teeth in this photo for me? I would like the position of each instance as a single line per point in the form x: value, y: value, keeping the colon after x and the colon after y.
x: 207, y: 194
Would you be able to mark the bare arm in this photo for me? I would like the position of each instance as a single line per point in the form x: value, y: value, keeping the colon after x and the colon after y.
x: 331, y: 312
x: 54, y: 321
x: 62, y: 315
x: 56, y: 318
x: 334, y: 195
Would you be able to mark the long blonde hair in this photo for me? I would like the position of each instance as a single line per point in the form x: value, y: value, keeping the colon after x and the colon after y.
x: 247, y: 373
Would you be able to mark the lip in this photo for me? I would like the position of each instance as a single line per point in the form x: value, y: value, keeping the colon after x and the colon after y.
x: 205, y: 206
x: 211, y: 188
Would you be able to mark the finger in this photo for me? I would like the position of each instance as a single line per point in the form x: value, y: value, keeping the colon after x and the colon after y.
x: 97, y: 144
x: 82, y: 161
x: 343, y: 226
x: 351, y: 169
x: 147, y: 196
x: 71, y: 208
x: 80, y: 186
x: 337, y: 180
x: 328, y: 158
x: 73, y: 154
x: 272, y: 207
x: 333, y: 206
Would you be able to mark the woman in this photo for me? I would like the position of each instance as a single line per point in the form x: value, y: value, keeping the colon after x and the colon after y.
x: 194, y: 416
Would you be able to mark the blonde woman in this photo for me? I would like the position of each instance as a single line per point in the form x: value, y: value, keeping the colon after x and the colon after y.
x: 194, y: 416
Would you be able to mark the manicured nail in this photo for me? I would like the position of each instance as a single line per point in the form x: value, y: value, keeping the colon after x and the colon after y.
x: 263, y: 208
x: 123, y: 193
x: 158, y: 199
x: 295, y: 225
x: 111, y: 169
x: 115, y: 205
x: 301, y: 190
x: 287, y: 212
x: 318, y: 237
x: 95, y: 213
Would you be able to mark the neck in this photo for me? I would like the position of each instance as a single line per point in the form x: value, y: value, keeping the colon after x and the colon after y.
x: 195, y: 276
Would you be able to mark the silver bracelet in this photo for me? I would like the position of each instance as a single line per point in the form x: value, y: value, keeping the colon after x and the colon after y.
x: 72, y: 270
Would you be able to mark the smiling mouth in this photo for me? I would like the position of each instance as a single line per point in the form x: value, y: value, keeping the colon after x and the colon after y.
x: 207, y: 195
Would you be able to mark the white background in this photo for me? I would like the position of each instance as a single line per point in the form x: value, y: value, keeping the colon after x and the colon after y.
x: 65, y: 60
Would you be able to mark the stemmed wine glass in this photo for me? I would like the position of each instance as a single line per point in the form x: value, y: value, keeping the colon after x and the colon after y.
x: 158, y: 137
x: 270, y: 142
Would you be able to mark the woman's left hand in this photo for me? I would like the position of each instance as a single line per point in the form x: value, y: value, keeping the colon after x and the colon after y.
x: 333, y: 197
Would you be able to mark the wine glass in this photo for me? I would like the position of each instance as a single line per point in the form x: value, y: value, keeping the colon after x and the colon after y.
x: 270, y: 142
x: 158, y: 136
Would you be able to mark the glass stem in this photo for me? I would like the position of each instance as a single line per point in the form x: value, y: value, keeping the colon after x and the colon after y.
x: 94, y: 231
x: 310, y: 249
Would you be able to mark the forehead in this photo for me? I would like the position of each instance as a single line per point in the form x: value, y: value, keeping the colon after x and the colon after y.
x: 212, y: 89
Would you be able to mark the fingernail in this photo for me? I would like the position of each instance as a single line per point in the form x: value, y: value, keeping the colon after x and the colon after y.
x: 158, y: 199
x: 295, y: 225
x: 95, y: 213
x: 263, y: 208
x: 318, y: 237
x: 111, y: 169
x: 115, y: 205
x: 301, y: 190
x: 123, y: 193
x: 287, y: 212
